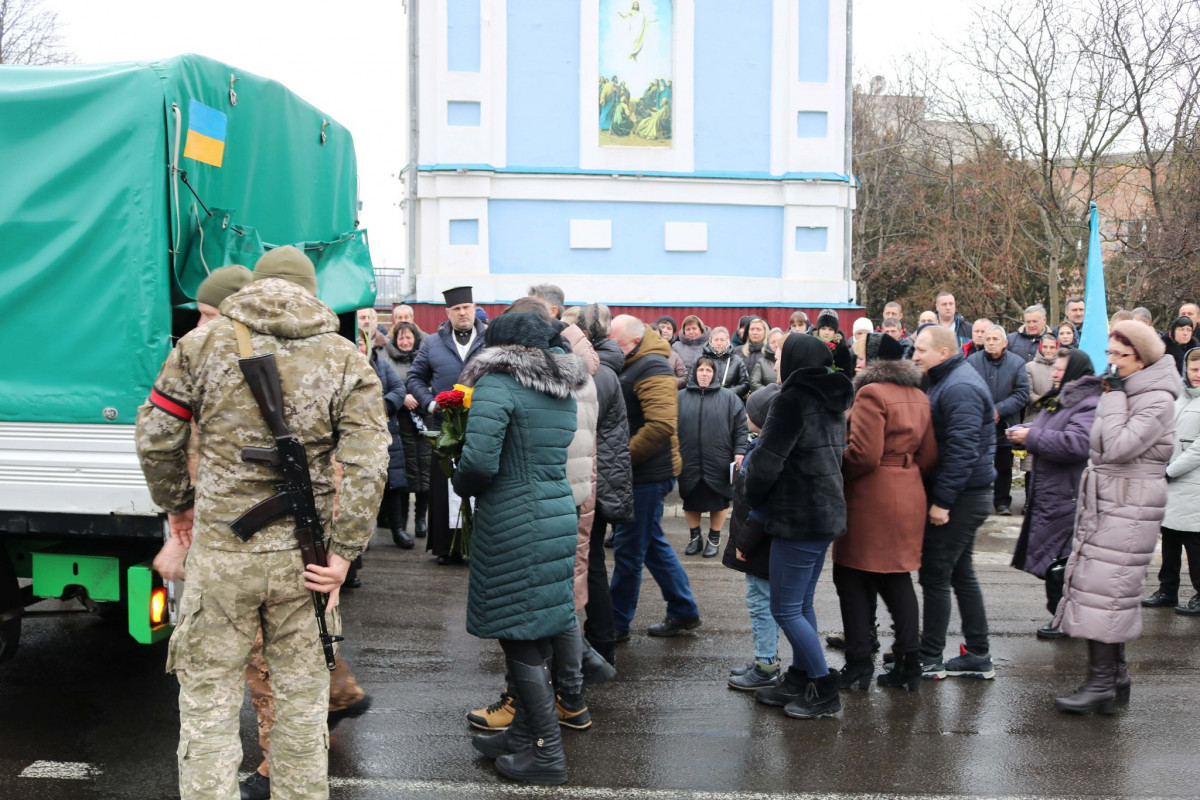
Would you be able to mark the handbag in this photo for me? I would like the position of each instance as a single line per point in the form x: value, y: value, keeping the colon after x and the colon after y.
x: 1056, y: 575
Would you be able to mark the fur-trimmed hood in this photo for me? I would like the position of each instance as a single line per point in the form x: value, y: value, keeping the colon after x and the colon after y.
x: 901, y: 373
x: 554, y: 374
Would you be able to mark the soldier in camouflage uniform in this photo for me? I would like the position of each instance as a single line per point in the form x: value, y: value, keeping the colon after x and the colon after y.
x: 332, y: 403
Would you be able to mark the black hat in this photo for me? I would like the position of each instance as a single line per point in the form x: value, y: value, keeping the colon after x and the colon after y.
x: 881, y: 347
x: 525, y: 329
x: 800, y: 351
x: 457, y: 296
x: 828, y: 318
x: 758, y: 404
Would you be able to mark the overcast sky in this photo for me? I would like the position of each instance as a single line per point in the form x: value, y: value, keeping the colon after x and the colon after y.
x: 348, y: 59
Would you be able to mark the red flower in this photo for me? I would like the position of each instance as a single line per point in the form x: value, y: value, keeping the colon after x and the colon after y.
x: 831, y: 345
x: 450, y: 399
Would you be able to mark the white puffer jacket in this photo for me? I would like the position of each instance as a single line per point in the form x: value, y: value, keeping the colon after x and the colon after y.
x: 1183, y: 470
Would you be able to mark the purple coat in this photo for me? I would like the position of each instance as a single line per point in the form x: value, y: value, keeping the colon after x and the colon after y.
x: 1058, y: 442
x: 1121, y: 500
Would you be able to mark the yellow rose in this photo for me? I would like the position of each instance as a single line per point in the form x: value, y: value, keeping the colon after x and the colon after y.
x: 467, y: 392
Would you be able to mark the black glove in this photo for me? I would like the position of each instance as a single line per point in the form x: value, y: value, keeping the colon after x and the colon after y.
x: 1112, y: 381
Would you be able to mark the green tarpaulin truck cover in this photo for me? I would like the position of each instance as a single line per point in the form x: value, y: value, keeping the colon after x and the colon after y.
x: 100, y: 239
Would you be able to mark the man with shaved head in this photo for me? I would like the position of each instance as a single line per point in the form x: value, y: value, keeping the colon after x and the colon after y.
x: 960, y: 498
x: 652, y: 403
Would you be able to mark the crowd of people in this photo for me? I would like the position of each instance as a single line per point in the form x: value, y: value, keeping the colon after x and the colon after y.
x: 880, y: 449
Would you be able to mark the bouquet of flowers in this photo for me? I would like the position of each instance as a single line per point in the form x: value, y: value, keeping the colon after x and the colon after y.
x: 448, y: 445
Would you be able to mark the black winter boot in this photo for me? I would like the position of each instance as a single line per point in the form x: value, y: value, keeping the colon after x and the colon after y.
x: 542, y: 759
x: 420, y: 513
x: 820, y: 699
x: 906, y: 673
x: 510, y: 740
x: 713, y: 545
x: 1123, y: 682
x: 1099, y: 691
x: 856, y: 674
x: 695, y: 544
x: 397, y: 502
x: 789, y: 689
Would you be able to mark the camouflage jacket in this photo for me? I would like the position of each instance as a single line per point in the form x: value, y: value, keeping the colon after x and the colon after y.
x: 333, y: 403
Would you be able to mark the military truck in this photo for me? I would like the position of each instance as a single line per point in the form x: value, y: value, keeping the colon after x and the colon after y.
x: 121, y: 187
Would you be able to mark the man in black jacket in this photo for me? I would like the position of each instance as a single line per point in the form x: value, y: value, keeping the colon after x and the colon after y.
x: 1025, y: 342
x: 1008, y: 381
x: 960, y: 497
x: 436, y: 369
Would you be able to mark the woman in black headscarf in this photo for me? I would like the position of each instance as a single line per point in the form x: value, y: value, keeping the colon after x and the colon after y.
x: 1058, y: 441
x: 795, y: 480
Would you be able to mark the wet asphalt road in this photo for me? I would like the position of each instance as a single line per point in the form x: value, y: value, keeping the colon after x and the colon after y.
x: 82, y: 700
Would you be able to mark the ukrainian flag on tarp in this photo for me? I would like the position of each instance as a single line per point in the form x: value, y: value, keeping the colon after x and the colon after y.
x: 206, y: 134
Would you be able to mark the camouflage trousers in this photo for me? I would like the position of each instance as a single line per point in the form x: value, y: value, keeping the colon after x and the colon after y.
x: 227, y: 596
x: 344, y: 692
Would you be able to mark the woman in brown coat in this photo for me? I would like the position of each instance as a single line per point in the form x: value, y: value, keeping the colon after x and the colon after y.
x: 1122, y: 495
x: 890, y: 446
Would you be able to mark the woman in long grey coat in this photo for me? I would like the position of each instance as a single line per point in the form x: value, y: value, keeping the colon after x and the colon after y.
x: 1181, y: 523
x: 1121, y: 499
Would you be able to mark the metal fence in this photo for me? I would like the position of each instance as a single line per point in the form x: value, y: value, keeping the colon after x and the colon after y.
x: 391, y: 286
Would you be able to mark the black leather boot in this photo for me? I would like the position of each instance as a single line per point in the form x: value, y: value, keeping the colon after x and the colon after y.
x: 820, y: 699
x: 510, y: 740
x: 906, y: 673
x: 420, y: 514
x: 856, y: 674
x: 695, y: 544
x: 713, y: 545
x: 1122, y: 680
x: 397, y: 501
x: 542, y: 760
x: 1099, y: 691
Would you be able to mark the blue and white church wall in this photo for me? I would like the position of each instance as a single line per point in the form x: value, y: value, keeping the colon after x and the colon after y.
x: 712, y: 169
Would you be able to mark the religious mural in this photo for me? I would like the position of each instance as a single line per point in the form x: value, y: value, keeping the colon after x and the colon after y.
x: 635, y: 56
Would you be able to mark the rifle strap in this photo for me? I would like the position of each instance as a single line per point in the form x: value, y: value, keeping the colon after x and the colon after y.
x: 243, y: 339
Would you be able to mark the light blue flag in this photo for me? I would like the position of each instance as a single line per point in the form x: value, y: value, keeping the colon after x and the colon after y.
x: 1095, y: 308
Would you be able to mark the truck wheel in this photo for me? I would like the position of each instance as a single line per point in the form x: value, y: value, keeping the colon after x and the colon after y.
x: 10, y: 609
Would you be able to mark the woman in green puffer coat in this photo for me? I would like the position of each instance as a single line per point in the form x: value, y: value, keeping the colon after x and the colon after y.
x: 514, y: 463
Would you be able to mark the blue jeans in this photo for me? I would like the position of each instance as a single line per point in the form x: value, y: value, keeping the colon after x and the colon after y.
x: 762, y: 625
x: 642, y: 542
x: 795, y: 568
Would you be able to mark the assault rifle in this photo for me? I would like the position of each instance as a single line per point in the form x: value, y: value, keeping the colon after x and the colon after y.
x: 295, y: 494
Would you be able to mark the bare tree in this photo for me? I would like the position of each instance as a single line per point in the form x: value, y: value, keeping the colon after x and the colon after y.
x: 29, y: 34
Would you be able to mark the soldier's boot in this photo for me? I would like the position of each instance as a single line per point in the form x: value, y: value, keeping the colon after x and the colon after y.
x: 542, y: 760
x: 346, y: 697
x: 420, y: 514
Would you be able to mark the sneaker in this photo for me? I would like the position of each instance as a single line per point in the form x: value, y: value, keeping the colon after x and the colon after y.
x: 760, y: 676
x: 256, y: 787
x: 743, y: 669
x: 1003, y: 511
x: 573, y: 711
x: 496, y: 717
x: 933, y: 671
x: 673, y: 627
x: 1160, y: 599
x: 970, y: 665
x: 1192, y: 609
